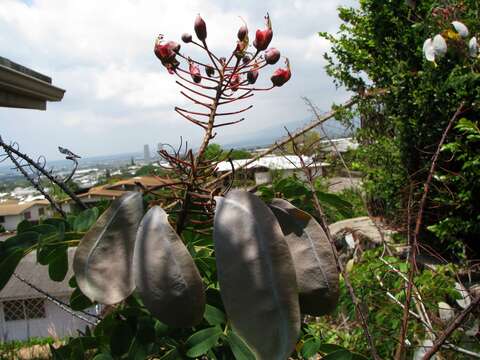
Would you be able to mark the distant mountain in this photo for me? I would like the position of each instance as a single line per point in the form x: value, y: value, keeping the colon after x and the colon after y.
x: 269, y: 135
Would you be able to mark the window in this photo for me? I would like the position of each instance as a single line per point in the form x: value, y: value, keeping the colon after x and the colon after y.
x: 41, y: 211
x: 2, y: 219
x: 27, y: 215
x: 24, y: 309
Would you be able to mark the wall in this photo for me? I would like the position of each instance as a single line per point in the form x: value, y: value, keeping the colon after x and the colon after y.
x: 57, y: 324
x: 11, y: 222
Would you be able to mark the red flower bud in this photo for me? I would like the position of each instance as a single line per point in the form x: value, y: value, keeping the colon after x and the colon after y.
x: 195, y: 72
x: 271, y: 56
x: 263, y: 37
x: 210, y: 70
x: 186, y: 38
x: 242, y: 32
x: 281, y: 75
x: 174, y: 46
x: 235, y: 82
x: 200, y: 28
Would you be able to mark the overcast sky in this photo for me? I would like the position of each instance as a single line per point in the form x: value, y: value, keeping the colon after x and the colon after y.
x: 119, y: 97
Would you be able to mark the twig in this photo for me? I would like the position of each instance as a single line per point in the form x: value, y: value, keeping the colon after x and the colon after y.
x: 414, y: 242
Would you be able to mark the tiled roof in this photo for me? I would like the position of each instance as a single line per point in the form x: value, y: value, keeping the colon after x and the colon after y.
x: 18, y: 208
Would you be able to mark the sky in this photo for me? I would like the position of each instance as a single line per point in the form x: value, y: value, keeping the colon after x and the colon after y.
x: 119, y: 97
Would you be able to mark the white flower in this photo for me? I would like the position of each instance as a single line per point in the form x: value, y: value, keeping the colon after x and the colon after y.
x: 428, y: 50
x: 473, y: 47
x: 461, y: 28
x: 439, y: 45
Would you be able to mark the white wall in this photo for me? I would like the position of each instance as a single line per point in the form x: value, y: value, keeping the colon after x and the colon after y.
x: 57, y: 324
x: 11, y: 222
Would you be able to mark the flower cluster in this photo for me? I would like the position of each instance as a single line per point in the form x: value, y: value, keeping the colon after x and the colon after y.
x: 249, y: 63
x: 437, y: 47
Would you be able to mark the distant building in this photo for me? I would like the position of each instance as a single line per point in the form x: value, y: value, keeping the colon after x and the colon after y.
x: 12, y: 213
x: 115, y: 190
x: 146, y: 153
x: 261, y: 170
x: 27, y: 313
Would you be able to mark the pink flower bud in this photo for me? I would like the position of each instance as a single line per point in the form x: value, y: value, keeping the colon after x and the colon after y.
x: 263, y: 37
x: 186, y: 38
x: 210, y: 70
x: 242, y: 32
x: 162, y: 50
x: 200, y: 28
x: 174, y: 46
x: 281, y: 75
x: 252, y: 75
x: 272, y: 55
x: 194, y: 72
x: 235, y: 82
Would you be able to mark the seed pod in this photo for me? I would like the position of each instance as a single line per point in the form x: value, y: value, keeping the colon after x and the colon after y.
x: 166, y: 277
x: 209, y: 70
x: 103, y: 260
x: 315, y: 265
x: 242, y: 32
x: 272, y: 55
x: 200, y: 28
x: 256, y: 275
x: 252, y: 76
x: 281, y: 75
x: 195, y: 72
x: 186, y: 38
x: 263, y: 37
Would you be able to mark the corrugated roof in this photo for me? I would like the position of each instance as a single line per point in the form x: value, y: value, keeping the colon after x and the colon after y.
x: 18, y: 208
x: 36, y: 274
x: 287, y: 162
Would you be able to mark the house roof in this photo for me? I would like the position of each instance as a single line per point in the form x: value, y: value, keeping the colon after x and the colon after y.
x: 37, y: 274
x: 113, y: 191
x: 146, y: 181
x: 287, y: 162
x: 21, y: 87
x: 18, y: 208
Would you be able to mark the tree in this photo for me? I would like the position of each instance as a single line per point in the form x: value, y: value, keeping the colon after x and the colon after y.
x: 380, y: 46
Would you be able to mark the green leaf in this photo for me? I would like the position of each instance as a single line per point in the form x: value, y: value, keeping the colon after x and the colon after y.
x: 171, y: 355
x: 58, y: 266
x: 310, y: 348
x: 339, y: 355
x: 78, y: 301
x: 121, y: 338
x: 103, y: 356
x: 57, y: 222
x: 43, y: 229
x: 342, y: 206
x: 202, y: 341
x: 330, y: 348
x: 8, y: 265
x: 23, y: 226
x: 213, y: 315
x: 238, y: 347
x: 85, y: 220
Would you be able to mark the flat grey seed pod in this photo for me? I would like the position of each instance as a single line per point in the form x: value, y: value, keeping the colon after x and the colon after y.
x: 256, y: 275
x: 166, y: 276
x: 103, y: 260
x: 315, y: 266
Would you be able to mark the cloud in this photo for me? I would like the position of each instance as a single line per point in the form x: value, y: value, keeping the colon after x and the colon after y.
x: 101, y: 53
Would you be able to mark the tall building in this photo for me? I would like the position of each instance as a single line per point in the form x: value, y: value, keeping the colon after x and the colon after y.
x: 146, y: 153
